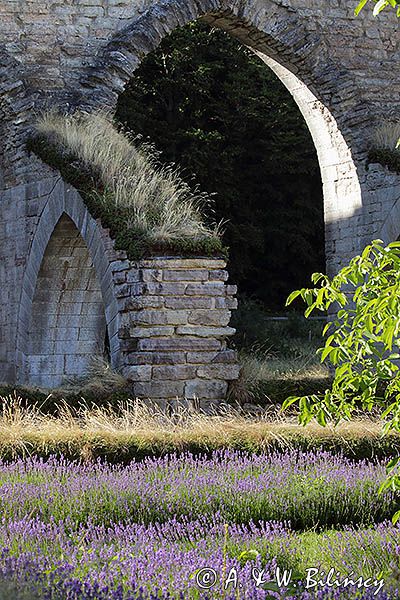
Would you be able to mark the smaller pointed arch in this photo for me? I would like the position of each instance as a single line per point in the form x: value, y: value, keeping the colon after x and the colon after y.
x: 67, y: 327
x: 68, y: 312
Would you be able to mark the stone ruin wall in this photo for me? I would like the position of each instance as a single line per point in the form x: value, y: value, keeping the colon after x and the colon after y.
x: 81, y: 53
x: 166, y: 317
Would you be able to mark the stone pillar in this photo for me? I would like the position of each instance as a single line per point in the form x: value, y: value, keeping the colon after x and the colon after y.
x: 174, y: 315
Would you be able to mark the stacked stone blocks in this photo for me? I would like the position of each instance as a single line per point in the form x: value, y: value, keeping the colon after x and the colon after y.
x: 174, y: 325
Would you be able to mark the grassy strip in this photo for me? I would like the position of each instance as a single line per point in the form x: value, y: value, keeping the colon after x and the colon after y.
x: 136, y: 431
x: 147, y: 208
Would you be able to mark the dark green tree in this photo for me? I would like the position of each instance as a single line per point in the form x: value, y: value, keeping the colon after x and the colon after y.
x: 212, y: 107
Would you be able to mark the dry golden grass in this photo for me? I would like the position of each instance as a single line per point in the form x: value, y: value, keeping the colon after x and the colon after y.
x: 159, y: 202
x: 100, y: 381
x: 138, y: 429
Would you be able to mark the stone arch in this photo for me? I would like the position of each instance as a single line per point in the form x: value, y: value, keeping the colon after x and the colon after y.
x: 326, y: 94
x: 67, y: 276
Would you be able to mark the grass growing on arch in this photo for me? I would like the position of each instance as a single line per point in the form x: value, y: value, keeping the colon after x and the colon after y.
x: 147, y: 207
x: 386, y: 146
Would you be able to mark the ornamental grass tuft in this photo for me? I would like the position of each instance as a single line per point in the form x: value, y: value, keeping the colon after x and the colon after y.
x: 147, y: 206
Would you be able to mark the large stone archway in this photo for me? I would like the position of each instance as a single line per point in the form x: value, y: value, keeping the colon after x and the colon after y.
x: 315, y: 52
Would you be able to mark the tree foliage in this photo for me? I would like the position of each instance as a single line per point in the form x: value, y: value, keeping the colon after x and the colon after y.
x: 379, y: 6
x: 214, y: 108
x: 362, y: 342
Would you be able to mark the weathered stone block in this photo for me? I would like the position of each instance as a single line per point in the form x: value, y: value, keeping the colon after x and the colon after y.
x: 210, y: 317
x: 214, y: 288
x: 219, y: 371
x: 156, y: 358
x: 174, y: 372
x: 201, y: 357
x: 149, y: 332
x: 158, y: 389
x: 137, y: 373
x: 229, y: 303
x: 206, y: 332
x: 218, y: 275
x: 140, y: 302
x: 226, y: 356
x: 188, y: 275
x: 178, y: 343
x: 231, y: 290
x: 159, y: 317
x: 151, y: 275
x: 164, y: 289
x: 200, y: 388
x: 188, y: 302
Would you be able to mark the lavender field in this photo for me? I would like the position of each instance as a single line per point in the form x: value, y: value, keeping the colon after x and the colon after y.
x: 198, y: 527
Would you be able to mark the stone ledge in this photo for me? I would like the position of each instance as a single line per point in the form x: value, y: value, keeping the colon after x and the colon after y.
x: 205, y: 332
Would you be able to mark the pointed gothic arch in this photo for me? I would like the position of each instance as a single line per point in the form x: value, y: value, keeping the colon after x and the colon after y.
x: 67, y: 308
x: 325, y: 93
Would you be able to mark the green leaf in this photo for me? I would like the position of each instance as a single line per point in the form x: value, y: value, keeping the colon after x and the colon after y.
x: 293, y: 296
x: 392, y: 464
x: 289, y: 401
x: 379, y: 6
x: 385, y: 486
x: 389, y: 410
x: 326, y: 328
x: 396, y: 517
x: 325, y: 353
x: 309, y: 310
x: 360, y: 7
x: 321, y: 419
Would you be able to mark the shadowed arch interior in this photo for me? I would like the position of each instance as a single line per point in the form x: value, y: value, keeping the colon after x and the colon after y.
x: 324, y: 91
x: 67, y: 325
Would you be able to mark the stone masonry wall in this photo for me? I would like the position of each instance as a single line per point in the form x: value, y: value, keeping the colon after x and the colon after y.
x: 80, y: 54
x: 166, y: 318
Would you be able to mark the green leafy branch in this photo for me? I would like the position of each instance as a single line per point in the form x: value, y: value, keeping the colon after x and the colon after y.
x: 362, y: 341
x: 380, y: 5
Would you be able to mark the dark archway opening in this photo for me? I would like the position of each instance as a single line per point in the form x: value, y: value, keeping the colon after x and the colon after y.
x: 211, y: 106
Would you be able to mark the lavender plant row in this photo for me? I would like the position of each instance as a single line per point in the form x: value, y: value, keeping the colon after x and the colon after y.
x: 168, y: 561
x: 306, y: 489
x: 186, y: 528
